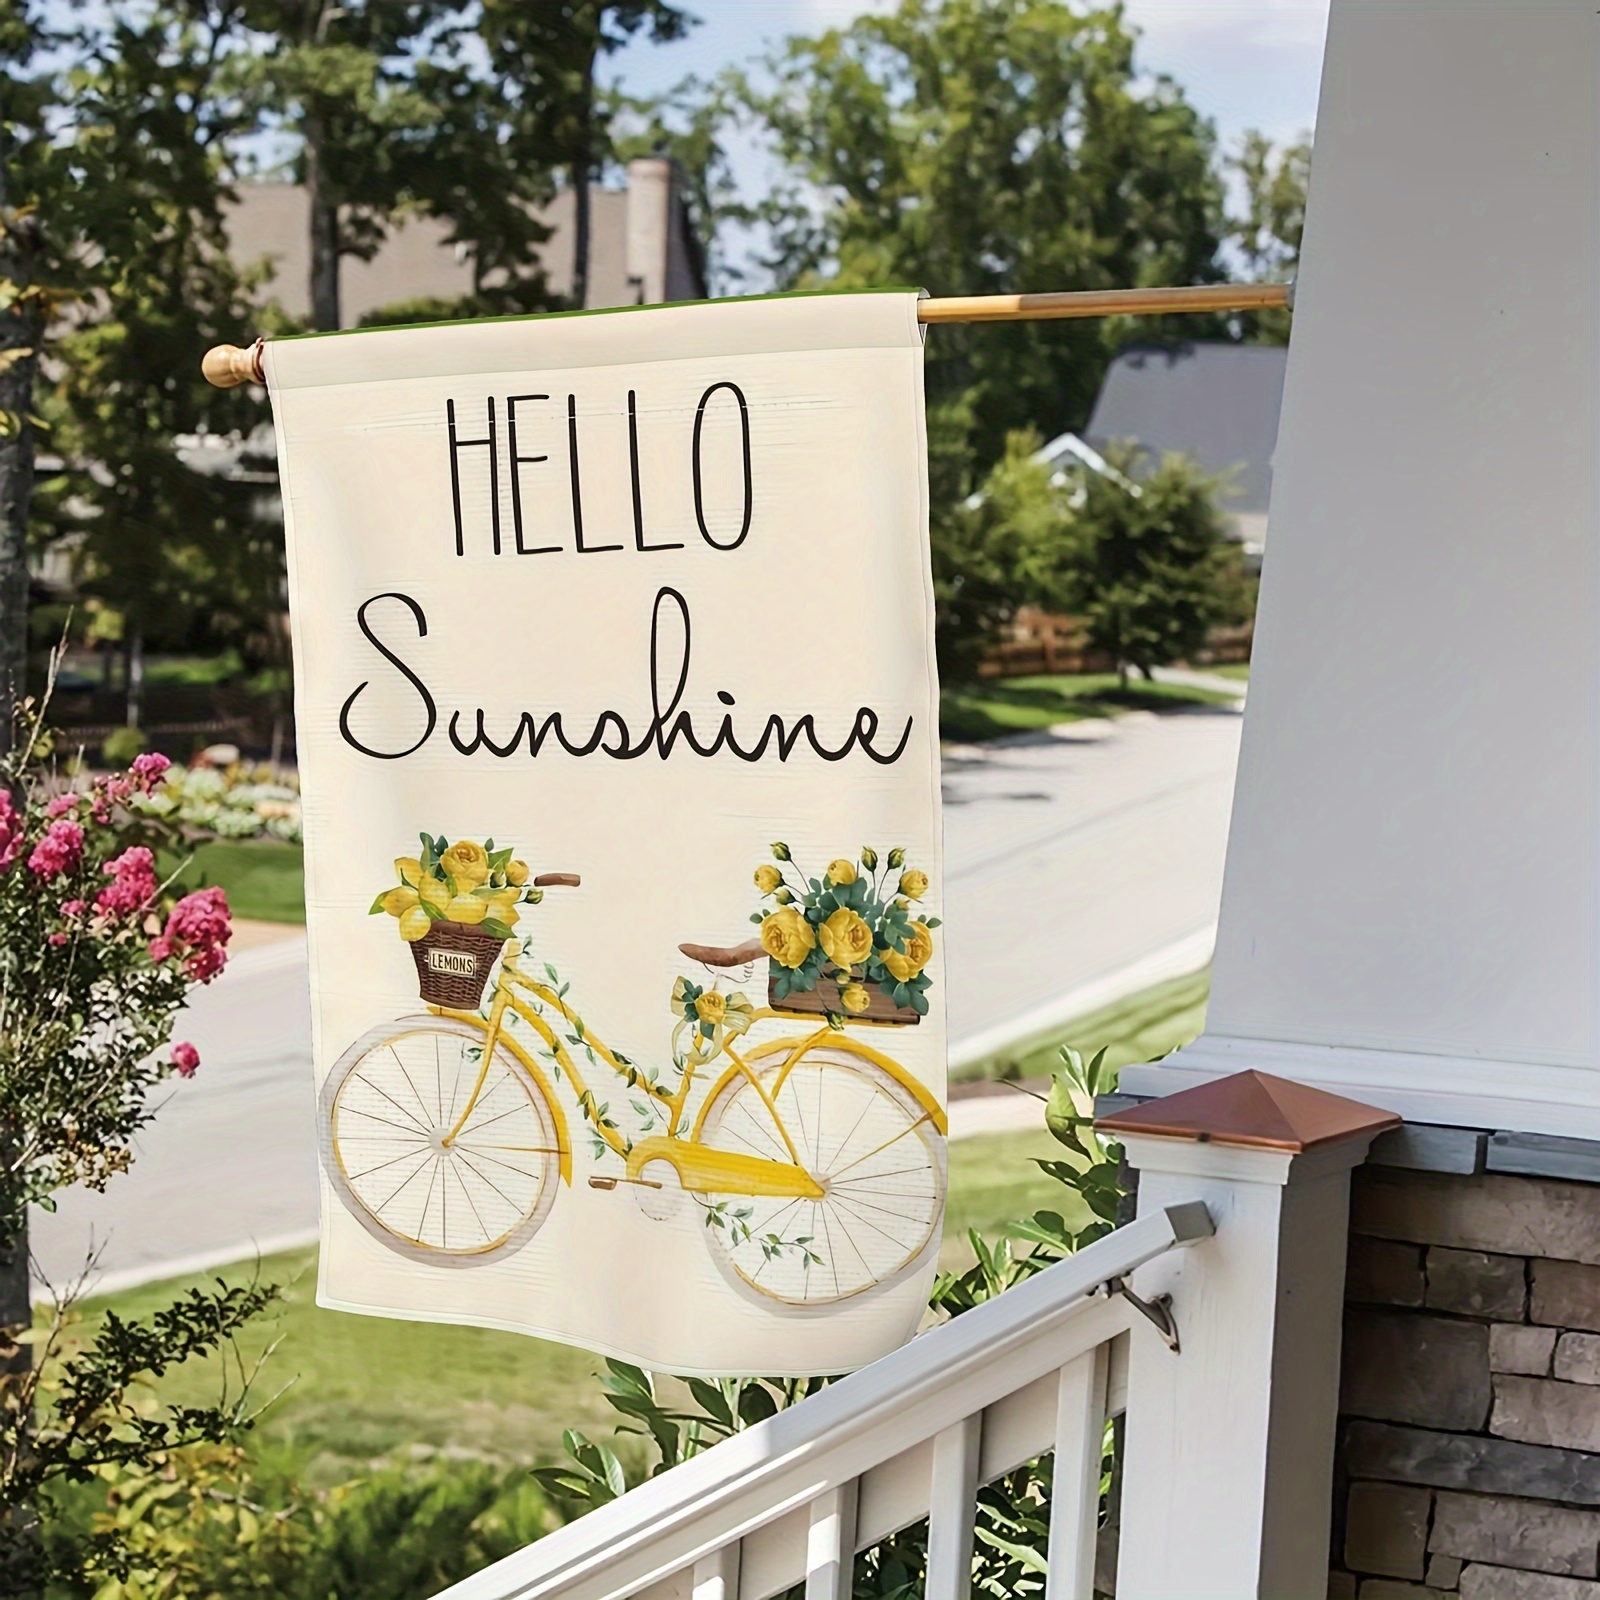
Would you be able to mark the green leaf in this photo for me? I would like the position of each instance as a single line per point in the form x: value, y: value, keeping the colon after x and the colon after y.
x: 1061, y: 1114
x: 712, y: 1401
x: 496, y: 930
x: 377, y: 905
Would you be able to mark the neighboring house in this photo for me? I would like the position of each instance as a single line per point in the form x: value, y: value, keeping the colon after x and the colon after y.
x: 1215, y: 402
x: 642, y: 248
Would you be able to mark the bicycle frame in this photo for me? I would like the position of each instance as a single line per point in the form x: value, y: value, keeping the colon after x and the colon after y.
x: 700, y: 1168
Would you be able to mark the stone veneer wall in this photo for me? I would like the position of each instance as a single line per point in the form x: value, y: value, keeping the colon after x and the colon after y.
x: 1469, y: 1447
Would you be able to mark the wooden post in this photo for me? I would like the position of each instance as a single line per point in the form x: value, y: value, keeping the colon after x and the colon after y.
x: 1227, y: 1477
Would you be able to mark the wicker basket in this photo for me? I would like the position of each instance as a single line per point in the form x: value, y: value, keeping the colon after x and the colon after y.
x: 453, y: 961
x: 824, y: 1000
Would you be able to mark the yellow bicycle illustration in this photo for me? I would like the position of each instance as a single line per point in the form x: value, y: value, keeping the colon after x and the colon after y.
x: 817, y: 1161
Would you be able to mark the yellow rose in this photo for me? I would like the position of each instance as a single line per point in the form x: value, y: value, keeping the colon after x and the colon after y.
x: 846, y: 939
x: 409, y: 869
x: 768, y: 879
x: 906, y: 964
x: 913, y: 884
x: 467, y: 863
x: 841, y: 873
x: 414, y: 924
x: 711, y: 1007
x: 434, y: 893
x: 466, y: 908
x: 854, y: 998
x: 399, y: 901
x: 517, y: 873
x: 786, y: 936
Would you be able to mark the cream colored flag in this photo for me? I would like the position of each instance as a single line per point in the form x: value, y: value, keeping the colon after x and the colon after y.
x: 617, y: 721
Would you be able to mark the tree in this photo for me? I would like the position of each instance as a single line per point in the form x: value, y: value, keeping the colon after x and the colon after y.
x: 27, y: 156
x: 336, y: 76
x: 592, y: 28
x: 1011, y: 544
x: 1267, y: 235
x: 986, y: 147
x: 160, y: 542
x: 544, y: 115
x: 1155, y: 571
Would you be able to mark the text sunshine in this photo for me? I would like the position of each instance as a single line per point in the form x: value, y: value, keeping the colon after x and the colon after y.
x: 669, y: 732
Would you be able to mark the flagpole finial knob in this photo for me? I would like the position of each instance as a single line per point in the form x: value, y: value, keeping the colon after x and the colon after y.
x: 226, y: 366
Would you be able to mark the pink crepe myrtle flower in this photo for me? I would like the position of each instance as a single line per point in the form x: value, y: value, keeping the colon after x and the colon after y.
x: 74, y: 908
x: 57, y: 939
x: 59, y: 851
x: 149, y: 769
x: 185, y: 1059
x: 198, y: 929
x: 61, y: 805
x: 133, y: 882
x: 10, y: 831
x: 109, y: 791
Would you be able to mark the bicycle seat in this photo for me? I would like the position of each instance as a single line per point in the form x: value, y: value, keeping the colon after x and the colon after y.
x: 716, y: 955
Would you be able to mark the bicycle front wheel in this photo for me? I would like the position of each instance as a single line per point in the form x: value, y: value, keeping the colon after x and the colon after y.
x: 867, y: 1143
x: 388, y: 1109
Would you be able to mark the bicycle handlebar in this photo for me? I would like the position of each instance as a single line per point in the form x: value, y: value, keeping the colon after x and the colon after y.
x: 557, y: 880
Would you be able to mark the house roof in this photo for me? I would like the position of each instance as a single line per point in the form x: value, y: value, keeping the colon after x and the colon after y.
x: 1215, y: 402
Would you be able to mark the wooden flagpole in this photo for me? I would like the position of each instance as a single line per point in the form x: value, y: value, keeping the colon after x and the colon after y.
x: 227, y: 366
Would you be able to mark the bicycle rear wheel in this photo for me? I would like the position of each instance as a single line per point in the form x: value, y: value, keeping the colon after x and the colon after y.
x: 387, y: 1108
x: 874, y: 1151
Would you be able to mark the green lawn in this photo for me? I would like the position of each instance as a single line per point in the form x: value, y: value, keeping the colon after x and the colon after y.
x: 1143, y: 1027
x: 993, y: 1181
x: 360, y: 1388
x: 265, y: 878
x: 1234, y: 669
x: 190, y: 671
x: 994, y: 706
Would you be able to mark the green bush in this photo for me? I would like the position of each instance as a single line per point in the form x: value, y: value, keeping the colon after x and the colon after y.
x: 211, y: 1522
x: 121, y: 745
x: 407, y: 1532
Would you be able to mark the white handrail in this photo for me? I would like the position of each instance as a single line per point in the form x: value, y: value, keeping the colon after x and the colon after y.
x: 816, y: 1453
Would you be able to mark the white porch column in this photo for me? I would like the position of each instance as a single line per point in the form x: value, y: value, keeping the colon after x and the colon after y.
x: 1411, y: 906
x: 1229, y: 1446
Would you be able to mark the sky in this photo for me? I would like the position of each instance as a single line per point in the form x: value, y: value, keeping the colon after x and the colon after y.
x: 1244, y: 63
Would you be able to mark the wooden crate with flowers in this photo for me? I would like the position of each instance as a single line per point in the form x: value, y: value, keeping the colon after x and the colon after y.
x: 457, y: 905
x: 846, y: 944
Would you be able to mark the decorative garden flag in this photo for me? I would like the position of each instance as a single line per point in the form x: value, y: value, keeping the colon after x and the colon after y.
x: 618, y: 732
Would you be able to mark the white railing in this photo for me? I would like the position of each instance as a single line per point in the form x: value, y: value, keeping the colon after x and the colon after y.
x: 914, y: 1435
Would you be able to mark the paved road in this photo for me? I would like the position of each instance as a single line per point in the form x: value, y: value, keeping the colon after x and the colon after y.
x: 1074, y: 859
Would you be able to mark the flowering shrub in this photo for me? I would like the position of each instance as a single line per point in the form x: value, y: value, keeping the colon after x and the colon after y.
x: 96, y: 957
